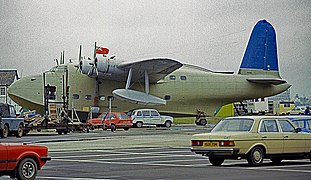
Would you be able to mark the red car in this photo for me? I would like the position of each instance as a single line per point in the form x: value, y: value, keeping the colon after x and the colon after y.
x: 112, y: 120
x: 21, y: 160
x: 96, y: 122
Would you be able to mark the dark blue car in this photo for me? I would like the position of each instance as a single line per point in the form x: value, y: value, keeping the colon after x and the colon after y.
x: 304, y: 122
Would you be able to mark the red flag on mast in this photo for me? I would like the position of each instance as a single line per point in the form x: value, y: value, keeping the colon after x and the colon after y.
x: 102, y: 50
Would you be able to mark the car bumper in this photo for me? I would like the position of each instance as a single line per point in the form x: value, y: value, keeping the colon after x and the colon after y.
x: 216, y: 151
x: 45, y: 158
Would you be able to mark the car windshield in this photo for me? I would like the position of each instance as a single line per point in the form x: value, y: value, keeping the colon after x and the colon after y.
x: 122, y: 116
x: 233, y: 124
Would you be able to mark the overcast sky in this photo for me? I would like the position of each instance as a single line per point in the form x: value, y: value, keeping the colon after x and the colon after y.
x: 212, y: 34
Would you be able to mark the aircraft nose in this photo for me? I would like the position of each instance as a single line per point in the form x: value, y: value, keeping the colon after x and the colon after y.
x: 27, y: 91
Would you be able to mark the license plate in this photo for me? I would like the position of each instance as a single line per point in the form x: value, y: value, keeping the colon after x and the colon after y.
x: 210, y: 144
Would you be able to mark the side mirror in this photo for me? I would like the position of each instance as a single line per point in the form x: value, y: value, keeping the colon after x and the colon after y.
x: 297, y: 130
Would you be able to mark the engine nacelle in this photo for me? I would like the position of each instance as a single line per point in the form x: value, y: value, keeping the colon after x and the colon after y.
x: 103, y: 66
x: 107, y: 65
x: 102, y: 63
x: 85, y: 66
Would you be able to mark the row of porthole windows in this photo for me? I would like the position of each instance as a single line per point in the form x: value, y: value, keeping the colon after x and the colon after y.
x: 173, y: 77
x: 103, y: 98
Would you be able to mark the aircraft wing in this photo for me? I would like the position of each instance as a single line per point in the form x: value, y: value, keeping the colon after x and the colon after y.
x: 273, y: 81
x: 156, y: 68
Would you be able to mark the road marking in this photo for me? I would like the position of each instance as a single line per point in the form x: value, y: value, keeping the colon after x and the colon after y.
x: 67, y: 178
x: 150, y: 155
x: 132, y: 163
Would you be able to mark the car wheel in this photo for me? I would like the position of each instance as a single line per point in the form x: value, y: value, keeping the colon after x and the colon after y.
x: 255, y: 156
x: 5, y: 131
x: 203, y: 122
x: 216, y: 161
x: 139, y: 124
x: 27, y: 169
x: 25, y: 132
x: 167, y: 124
x: 276, y: 160
x: 113, y: 127
x: 20, y: 131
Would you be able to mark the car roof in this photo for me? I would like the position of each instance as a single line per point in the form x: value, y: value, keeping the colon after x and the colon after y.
x: 258, y: 117
x: 298, y: 117
x: 144, y: 110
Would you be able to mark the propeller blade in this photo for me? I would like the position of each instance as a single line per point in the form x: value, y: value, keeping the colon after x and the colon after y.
x: 95, y: 51
x: 80, y: 58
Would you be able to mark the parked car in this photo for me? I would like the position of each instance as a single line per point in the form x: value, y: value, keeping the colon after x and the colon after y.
x: 142, y: 117
x: 297, y: 110
x: 112, y: 120
x: 304, y: 122
x: 9, y: 123
x: 97, y: 122
x: 22, y: 161
x: 253, y: 138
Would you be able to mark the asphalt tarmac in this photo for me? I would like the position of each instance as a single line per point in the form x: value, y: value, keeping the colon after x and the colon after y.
x: 147, y: 153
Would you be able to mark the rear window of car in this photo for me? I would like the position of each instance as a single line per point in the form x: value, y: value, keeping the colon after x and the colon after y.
x: 154, y: 113
x: 122, y: 116
x: 232, y: 124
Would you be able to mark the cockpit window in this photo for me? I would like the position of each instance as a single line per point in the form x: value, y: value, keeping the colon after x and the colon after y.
x: 60, y: 68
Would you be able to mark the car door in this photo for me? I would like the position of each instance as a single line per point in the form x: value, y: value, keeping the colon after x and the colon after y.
x: 293, y: 142
x: 271, y: 136
x: 146, y: 116
x: 3, y: 157
x: 155, y: 117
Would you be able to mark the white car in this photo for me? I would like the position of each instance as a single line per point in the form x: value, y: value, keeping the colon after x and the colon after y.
x: 297, y: 111
x: 142, y: 117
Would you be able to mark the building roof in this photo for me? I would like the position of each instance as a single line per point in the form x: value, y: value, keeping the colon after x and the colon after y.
x: 7, y: 77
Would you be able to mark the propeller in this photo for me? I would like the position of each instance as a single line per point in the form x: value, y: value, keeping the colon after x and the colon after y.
x: 79, y: 66
x: 94, y: 64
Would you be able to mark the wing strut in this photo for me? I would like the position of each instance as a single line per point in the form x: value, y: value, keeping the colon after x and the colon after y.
x: 129, y: 78
x: 137, y: 97
x: 146, y: 82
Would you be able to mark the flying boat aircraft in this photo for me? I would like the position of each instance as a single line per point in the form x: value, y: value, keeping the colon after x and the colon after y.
x: 166, y: 84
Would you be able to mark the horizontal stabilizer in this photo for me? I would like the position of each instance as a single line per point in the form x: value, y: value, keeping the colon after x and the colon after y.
x: 137, y: 97
x: 274, y: 81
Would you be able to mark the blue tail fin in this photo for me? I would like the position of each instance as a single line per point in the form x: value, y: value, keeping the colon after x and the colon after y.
x: 260, y: 56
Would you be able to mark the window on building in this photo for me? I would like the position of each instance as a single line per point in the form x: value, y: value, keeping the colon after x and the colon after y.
x: 2, y: 91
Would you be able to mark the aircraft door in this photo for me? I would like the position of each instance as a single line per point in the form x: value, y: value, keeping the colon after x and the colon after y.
x: 155, y: 117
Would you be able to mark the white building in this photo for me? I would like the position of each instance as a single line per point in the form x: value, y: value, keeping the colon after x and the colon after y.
x: 7, y: 77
